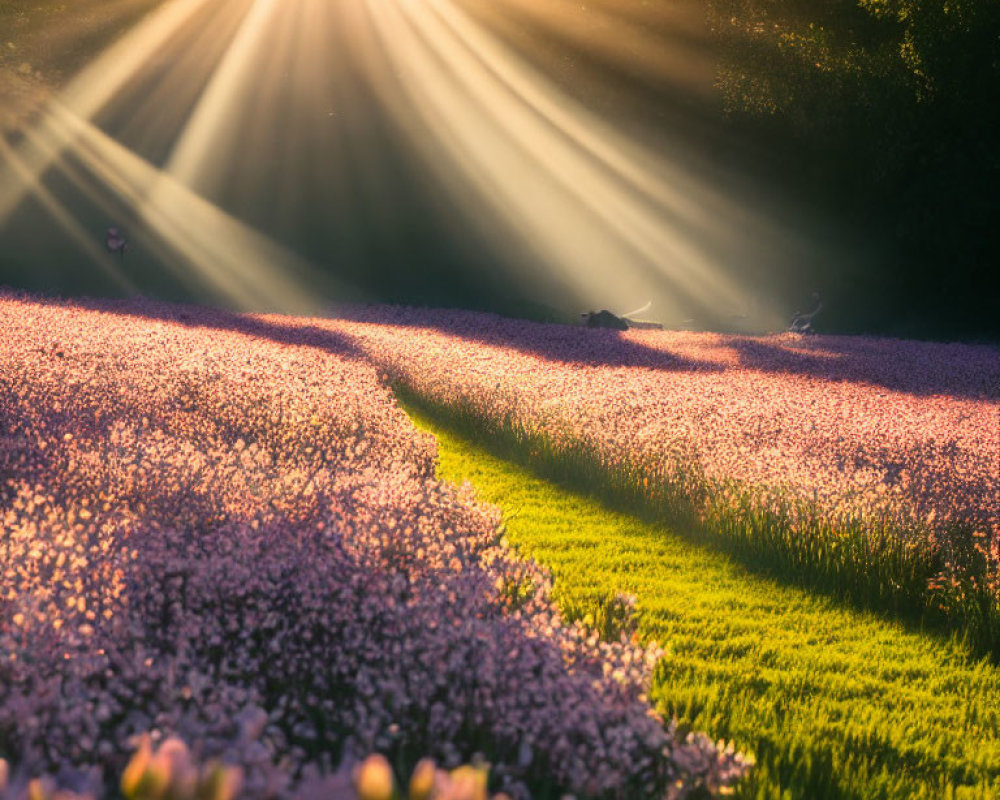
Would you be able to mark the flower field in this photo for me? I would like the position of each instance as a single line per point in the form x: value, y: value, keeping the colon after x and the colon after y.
x: 832, y: 701
x: 868, y: 466
x: 223, y: 529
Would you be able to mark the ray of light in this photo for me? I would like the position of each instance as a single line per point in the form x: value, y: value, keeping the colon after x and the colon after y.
x: 665, y: 43
x: 273, y: 132
x: 194, y: 160
x: 154, y: 108
x: 614, y: 220
x: 97, y: 84
x: 58, y: 212
x: 281, y: 110
x: 232, y: 262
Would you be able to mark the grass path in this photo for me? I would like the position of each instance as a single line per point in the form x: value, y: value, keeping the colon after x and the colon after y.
x: 832, y: 702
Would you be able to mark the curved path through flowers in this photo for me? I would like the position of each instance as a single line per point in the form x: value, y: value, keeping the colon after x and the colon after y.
x: 834, y: 703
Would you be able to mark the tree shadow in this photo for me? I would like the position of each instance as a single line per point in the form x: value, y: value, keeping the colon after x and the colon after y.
x: 913, y: 367
x: 923, y: 369
x: 552, y: 342
x: 919, y: 368
x: 559, y: 343
x: 192, y: 316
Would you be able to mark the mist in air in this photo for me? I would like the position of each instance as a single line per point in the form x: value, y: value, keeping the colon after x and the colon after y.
x: 517, y: 156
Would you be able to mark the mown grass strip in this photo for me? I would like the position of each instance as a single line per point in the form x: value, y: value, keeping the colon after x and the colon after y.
x: 833, y: 702
x: 872, y: 565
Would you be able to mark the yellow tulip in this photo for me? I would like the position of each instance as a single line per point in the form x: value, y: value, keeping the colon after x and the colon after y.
x: 375, y: 781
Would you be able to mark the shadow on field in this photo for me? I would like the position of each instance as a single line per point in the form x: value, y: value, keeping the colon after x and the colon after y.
x: 919, y: 368
x: 970, y: 371
x: 914, y: 367
x: 210, y: 318
x: 572, y: 476
x: 561, y: 343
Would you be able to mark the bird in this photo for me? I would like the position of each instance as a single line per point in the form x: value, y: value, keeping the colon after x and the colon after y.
x: 802, y: 323
x: 116, y: 242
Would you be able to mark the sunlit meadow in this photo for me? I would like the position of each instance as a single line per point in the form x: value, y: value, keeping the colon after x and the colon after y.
x: 222, y: 529
x: 231, y: 565
x: 834, y: 702
x: 871, y: 467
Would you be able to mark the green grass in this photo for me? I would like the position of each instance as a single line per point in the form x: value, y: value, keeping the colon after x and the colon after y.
x: 885, y: 565
x: 832, y: 701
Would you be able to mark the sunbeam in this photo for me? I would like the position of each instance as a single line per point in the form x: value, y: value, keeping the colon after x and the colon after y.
x: 665, y: 43
x: 613, y: 220
x: 232, y: 263
x: 65, y: 220
x: 98, y: 83
x: 196, y: 158
x: 302, y: 147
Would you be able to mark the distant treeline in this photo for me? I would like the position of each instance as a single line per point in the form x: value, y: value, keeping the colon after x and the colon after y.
x: 889, y: 111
